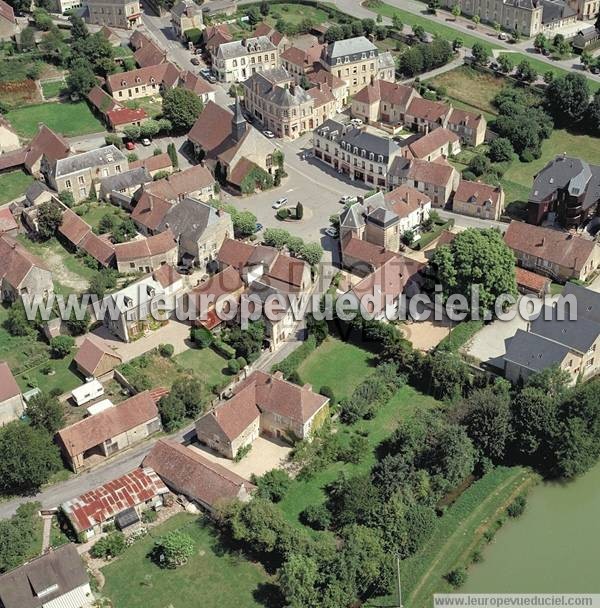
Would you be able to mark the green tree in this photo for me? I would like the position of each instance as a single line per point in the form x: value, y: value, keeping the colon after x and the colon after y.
x: 78, y: 327
x: 106, y: 223
x: 66, y: 198
x: 480, y: 53
x: 456, y: 12
x: 478, y: 165
x: 244, y: 223
x: 526, y: 72
x: 299, y: 210
x: 79, y: 29
x: 17, y: 322
x: 149, y: 128
x: 397, y: 22
x: 172, y: 412
x: 317, y: 328
x: 505, y: 63
x: 334, y: 33
x: 540, y: 42
x: 97, y: 51
x: 61, y: 346
x: 500, y: 150
x: 182, y: 107
x: 27, y: 458
x: 49, y: 219
x: 109, y: 546
x: 276, y: 237
x: 299, y: 580
x: 593, y: 112
x: 132, y: 132
x: 174, y: 549
x: 312, y: 253
x: 46, y: 413
x: 81, y: 78
x: 253, y: 14
x: 103, y: 281
x: 190, y: 391
x: 172, y: 152
x: 567, y: 98
x: 273, y: 485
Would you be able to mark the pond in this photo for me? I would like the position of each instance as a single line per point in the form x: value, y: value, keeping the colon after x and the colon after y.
x: 552, y: 548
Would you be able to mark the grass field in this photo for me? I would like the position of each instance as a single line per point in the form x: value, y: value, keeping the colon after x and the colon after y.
x: 212, y: 578
x: 13, y: 185
x: 53, y: 88
x: 309, y: 492
x: 459, y: 533
x: 339, y: 365
x: 471, y: 88
x: 205, y: 363
x: 68, y: 119
x: 94, y: 212
x: 152, y: 105
x: 295, y: 13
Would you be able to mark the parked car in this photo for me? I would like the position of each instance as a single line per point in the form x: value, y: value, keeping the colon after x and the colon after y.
x: 332, y: 232
x: 258, y: 227
x: 184, y: 269
x: 279, y: 203
x: 357, y: 122
x: 268, y: 134
x: 130, y: 145
x: 347, y: 199
x: 195, y: 60
x: 211, y: 79
x: 503, y: 36
x: 146, y: 142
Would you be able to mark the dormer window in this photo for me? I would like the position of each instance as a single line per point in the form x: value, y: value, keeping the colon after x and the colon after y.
x: 371, y: 156
x: 380, y: 159
x: 153, y: 80
x: 138, y: 79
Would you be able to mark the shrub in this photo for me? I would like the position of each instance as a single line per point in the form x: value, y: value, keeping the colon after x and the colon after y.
x: 242, y: 453
x: 317, y: 517
x: 517, y: 506
x: 61, y: 346
x: 327, y: 391
x: 295, y: 378
x: 273, y: 485
x: 233, y: 367
x: 241, y: 362
x: 201, y: 337
x: 223, y: 349
x: 283, y: 214
x: 109, y: 546
x: 166, y: 350
x: 149, y: 516
x: 174, y: 549
x: 457, y: 577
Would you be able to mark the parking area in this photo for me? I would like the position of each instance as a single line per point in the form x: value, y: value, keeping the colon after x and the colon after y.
x: 266, y: 454
x: 425, y: 335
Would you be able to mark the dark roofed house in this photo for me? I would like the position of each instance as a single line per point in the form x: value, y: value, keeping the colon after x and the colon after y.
x: 185, y: 471
x: 125, y: 183
x: 57, y: 578
x: 97, y: 437
x: 139, y: 490
x: 567, y: 187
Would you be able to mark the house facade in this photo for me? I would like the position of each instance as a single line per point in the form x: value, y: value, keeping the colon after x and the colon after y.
x: 186, y: 15
x: 142, y: 82
x: 147, y: 254
x: 11, y: 399
x: 237, y: 60
x: 478, y: 200
x: 79, y: 173
x: 94, y: 360
x: 124, y: 14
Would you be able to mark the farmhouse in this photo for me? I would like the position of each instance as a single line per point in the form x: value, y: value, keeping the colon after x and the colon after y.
x: 147, y: 254
x: 263, y: 403
x: 200, y: 480
x: 93, y: 439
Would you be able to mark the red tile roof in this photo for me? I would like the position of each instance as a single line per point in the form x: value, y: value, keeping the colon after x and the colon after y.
x: 146, y: 247
x: 434, y: 140
x: 46, y: 143
x: 462, y: 117
x: 363, y: 251
x: 322, y: 76
x: 212, y: 130
x: 235, y: 253
x: 149, y: 54
x: 153, y: 163
x: 531, y: 280
x: 241, y: 169
x: 166, y: 275
x: 91, y: 353
x: 8, y: 385
x: 125, y: 116
x: 188, y: 472
x: 6, y: 12
x: 150, y: 210
x: 321, y: 94
x: 477, y: 193
x: 405, y: 199
x: 165, y: 73
x: 16, y: 261
x: 223, y: 283
x: 7, y: 221
x: 381, y: 90
x: 431, y: 111
x: 100, y: 248
x: 103, y: 503
x: 101, y: 100
x: 556, y: 246
x: 196, y: 84
x: 439, y: 174
x: 181, y: 183
x: 288, y: 270
x: 94, y: 430
x: 73, y: 228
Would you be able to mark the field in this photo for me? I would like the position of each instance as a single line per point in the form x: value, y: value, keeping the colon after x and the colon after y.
x: 472, y: 89
x: 92, y: 213
x: 53, y: 88
x: 460, y: 532
x: 68, y: 119
x: 205, y: 363
x: 339, y: 365
x: 295, y: 13
x: 16, y: 94
x: 213, y: 577
x: 13, y: 185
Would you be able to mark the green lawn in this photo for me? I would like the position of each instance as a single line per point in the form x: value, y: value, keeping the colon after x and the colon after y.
x: 53, y: 89
x: 295, y: 13
x: 309, y: 492
x: 13, y: 185
x: 213, y: 578
x: 152, y: 105
x: 92, y: 213
x: 205, y: 363
x: 68, y: 119
x: 339, y: 365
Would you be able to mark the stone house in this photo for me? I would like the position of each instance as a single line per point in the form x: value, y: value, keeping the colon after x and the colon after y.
x: 125, y: 14
x: 186, y: 472
x: 154, y: 164
x: 301, y: 63
x: 555, y: 253
x: 150, y: 81
x: 147, y: 254
x: 126, y: 183
x: 339, y: 89
x: 439, y: 143
x: 22, y: 274
x: 80, y: 173
x: 186, y: 15
x: 237, y: 60
x: 11, y: 399
x: 262, y: 404
x: 478, y: 200
x: 95, y: 438
x: 198, y: 85
x: 8, y: 23
x: 94, y: 360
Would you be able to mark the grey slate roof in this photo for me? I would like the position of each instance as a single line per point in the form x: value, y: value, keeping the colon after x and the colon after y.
x: 534, y: 352
x: 241, y: 48
x: 189, y: 218
x: 385, y: 61
x: 588, y: 301
x: 565, y: 172
x: 265, y: 84
x: 62, y: 567
x: 555, y: 10
x: 122, y: 181
x: 186, y: 6
x: 352, y: 217
x: 369, y: 142
x: 86, y: 160
x: 382, y: 217
x: 353, y: 48
x: 36, y: 189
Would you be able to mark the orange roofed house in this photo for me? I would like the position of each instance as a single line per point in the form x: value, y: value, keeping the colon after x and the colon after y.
x: 97, y: 437
x: 478, y: 200
x: 11, y: 400
x: 185, y: 471
x: 263, y: 403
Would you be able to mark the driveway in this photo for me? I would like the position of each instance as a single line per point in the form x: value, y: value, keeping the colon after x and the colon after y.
x: 425, y: 335
x: 174, y: 332
x: 266, y: 454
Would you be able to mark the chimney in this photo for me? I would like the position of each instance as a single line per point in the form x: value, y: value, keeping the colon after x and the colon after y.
x: 277, y: 376
x: 244, y: 41
x: 372, y: 79
x: 151, y: 206
x: 292, y: 88
x: 307, y: 387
